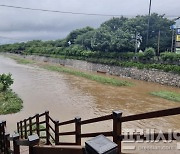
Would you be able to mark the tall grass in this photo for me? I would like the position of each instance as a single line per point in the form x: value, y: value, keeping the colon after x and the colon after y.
x: 167, y: 95
x: 21, y: 60
x: 9, y: 102
x: 98, y: 78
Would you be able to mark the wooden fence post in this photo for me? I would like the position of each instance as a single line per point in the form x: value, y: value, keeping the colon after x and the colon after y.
x: 2, y: 136
x: 78, y: 130
x: 47, y: 127
x: 30, y: 125
x: 7, y: 142
x: 117, y: 128
x: 30, y: 150
x: 18, y: 127
x: 56, y: 132
x: 4, y: 123
x: 33, y: 140
x: 4, y: 132
x: 25, y: 129
x: 21, y: 129
x: 15, y: 145
x: 37, y: 124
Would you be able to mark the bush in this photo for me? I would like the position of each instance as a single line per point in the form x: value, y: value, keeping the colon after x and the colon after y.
x: 149, y: 53
x: 170, y: 56
x: 5, y: 81
x: 1, y: 87
x: 141, y: 56
x: 126, y: 55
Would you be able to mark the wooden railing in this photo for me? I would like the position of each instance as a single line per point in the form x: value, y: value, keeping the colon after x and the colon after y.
x: 52, y: 128
x: 52, y: 131
x: 38, y: 124
x: 3, y: 146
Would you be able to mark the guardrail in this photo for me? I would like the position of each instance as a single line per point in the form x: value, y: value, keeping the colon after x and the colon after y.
x: 52, y: 128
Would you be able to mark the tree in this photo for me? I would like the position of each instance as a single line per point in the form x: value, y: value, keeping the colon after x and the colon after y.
x: 149, y: 53
x: 101, y: 40
x: 157, y: 22
x: 114, y: 24
x: 6, y: 81
x: 85, y: 40
x: 122, y: 41
x: 112, y: 38
x: 114, y: 35
x: 74, y: 34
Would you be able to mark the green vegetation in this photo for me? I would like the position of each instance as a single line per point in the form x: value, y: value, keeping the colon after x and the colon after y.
x: 5, y: 81
x: 167, y: 95
x: 22, y: 61
x: 34, y: 128
x: 113, y: 43
x: 170, y: 57
x: 9, y: 101
x: 114, y: 35
x: 149, y: 53
x: 139, y: 65
x: 98, y: 78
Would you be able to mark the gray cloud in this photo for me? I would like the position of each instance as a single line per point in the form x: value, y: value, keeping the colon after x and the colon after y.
x: 28, y: 25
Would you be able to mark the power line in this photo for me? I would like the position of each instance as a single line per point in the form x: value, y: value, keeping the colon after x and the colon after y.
x: 63, y: 12
x: 74, y: 13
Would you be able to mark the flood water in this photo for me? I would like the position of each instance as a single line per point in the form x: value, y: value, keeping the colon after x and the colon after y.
x: 67, y: 96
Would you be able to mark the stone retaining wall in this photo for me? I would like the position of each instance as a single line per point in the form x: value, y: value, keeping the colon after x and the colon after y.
x: 140, y: 74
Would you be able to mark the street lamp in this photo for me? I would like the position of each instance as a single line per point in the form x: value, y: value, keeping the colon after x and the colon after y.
x: 147, y: 38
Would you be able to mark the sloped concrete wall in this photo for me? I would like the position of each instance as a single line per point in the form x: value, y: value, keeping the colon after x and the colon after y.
x: 152, y: 75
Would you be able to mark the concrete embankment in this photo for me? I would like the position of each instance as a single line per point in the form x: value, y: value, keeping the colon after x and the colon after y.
x: 152, y: 75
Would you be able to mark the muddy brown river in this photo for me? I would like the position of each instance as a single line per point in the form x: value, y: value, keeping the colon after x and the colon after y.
x: 67, y: 96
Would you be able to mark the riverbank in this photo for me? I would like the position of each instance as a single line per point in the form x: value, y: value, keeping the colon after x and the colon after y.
x: 169, y: 95
x: 9, y: 102
x: 67, y: 96
x: 151, y: 75
x: 93, y: 77
x: 97, y: 78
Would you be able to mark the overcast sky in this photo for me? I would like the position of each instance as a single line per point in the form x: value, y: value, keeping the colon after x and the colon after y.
x: 29, y: 25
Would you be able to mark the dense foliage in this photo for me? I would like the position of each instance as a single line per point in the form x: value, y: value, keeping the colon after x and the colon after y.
x: 5, y: 81
x: 9, y: 101
x: 114, y: 35
x: 112, y: 43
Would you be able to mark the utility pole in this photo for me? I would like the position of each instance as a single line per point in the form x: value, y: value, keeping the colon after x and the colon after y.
x: 147, y: 38
x: 172, y: 43
x: 159, y: 36
x: 136, y: 46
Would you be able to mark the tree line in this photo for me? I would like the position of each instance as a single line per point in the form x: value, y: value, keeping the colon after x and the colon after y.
x: 114, y: 35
